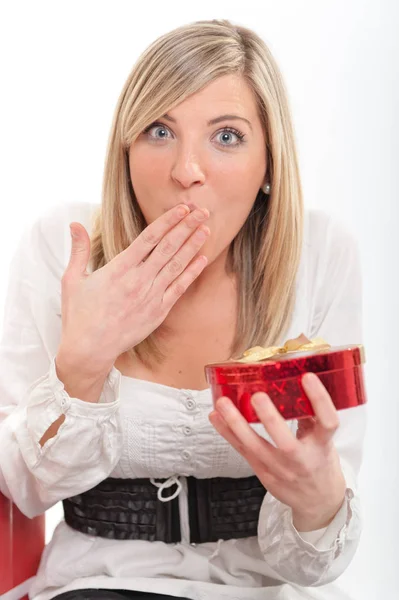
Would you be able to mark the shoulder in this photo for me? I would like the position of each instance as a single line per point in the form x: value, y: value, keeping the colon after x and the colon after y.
x: 55, y: 220
x: 328, y: 240
x: 46, y: 242
x: 323, y: 229
x: 52, y: 226
x: 334, y: 278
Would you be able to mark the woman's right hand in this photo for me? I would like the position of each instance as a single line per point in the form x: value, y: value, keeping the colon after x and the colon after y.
x: 113, y: 309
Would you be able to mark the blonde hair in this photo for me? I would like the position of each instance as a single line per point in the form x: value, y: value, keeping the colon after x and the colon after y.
x: 265, y: 254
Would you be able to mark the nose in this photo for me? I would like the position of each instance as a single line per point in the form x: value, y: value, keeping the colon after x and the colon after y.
x: 187, y: 169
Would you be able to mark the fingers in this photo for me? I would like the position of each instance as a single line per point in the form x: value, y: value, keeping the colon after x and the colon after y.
x: 169, y: 245
x: 180, y: 285
x: 80, y: 249
x: 179, y: 262
x: 221, y: 427
x: 165, y: 253
x: 248, y: 441
x: 274, y: 423
x: 327, y: 419
x: 152, y: 235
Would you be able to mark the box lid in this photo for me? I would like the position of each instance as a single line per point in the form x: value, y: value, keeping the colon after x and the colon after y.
x: 284, y: 366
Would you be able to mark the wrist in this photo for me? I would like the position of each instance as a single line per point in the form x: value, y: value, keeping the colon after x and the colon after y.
x: 80, y: 381
x: 91, y: 368
x: 318, y: 518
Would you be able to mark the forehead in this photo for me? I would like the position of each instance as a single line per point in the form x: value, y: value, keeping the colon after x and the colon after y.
x: 226, y: 94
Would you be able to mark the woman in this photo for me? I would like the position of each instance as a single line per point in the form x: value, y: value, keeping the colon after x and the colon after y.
x: 199, y: 250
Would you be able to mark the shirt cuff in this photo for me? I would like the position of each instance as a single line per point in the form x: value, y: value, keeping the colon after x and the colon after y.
x: 48, y: 400
x: 325, y: 538
x: 304, y: 559
x: 312, y: 537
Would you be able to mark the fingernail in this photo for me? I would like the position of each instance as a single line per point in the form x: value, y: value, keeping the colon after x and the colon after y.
x: 183, y: 211
x: 310, y: 379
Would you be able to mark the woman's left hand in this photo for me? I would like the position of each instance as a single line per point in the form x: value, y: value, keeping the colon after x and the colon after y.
x: 303, y: 472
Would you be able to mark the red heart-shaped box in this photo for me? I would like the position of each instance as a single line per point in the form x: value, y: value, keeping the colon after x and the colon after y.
x: 339, y: 368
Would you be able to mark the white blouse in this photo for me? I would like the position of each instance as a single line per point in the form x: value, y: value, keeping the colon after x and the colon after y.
x: 145, y: 429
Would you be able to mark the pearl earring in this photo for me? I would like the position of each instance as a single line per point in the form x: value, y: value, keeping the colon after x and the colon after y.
x: 266, y: 188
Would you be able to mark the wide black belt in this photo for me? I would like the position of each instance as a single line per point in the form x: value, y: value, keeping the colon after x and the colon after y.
x: 129, y: 509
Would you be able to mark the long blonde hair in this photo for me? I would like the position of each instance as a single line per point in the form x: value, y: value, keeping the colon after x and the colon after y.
x: 265, y: 254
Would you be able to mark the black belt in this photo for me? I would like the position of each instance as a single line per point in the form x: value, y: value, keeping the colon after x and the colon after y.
x: 129, y: 509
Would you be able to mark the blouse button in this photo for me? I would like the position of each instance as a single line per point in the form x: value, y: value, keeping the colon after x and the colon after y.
x: 186, y: 454
x: 187, y: 430
x: 190, y: 404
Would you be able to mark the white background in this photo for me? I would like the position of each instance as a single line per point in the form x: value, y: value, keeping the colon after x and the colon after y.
x: 63, y: 65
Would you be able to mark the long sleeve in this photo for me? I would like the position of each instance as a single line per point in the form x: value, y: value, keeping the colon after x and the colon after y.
x: 335, y: 295
x: 87, y: 445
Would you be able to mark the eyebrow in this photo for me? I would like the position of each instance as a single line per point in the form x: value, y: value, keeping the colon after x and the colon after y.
x: 216, y: 120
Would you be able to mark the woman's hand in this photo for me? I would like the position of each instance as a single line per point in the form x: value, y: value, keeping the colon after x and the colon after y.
x: 113, y: 309
x: 303, y: 472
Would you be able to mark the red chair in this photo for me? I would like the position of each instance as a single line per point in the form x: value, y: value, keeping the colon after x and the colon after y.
x: 21, y: 545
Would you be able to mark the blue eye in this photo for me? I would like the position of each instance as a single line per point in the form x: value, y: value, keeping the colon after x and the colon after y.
x: 228, y: 132
x: 160, y: 128
x: 230, y: 137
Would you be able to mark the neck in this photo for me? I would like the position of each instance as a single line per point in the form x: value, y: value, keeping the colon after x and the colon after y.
x: 203, y: 297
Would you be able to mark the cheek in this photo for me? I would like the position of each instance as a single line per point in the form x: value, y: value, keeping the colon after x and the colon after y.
x: 242, y: 177
x: 236, y: 192
x: 228, y: 218
x: 145, y: 171
x: 148, y: 181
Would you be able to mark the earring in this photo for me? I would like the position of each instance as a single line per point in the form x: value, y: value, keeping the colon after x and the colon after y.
x: 266, y: 188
